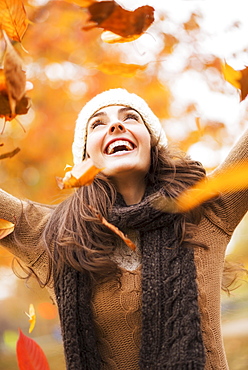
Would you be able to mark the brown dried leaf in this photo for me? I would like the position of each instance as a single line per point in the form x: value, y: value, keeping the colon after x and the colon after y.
x: 6, y: 228
x: 112, y: 17
x: 115, y: 229
x: 127, y: 70
x: 13, y: 19
x: 82, y: 174
x: 10, y: 154
x: 22, y: 107
x: 14, y: 75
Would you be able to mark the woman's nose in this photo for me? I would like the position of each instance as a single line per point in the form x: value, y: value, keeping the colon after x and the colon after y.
x: 116, y: 127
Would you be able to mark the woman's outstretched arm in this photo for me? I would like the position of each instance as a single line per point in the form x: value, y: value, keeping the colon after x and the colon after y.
x: 29, y: 219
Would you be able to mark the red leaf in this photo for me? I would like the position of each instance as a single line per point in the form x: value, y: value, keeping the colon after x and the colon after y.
x: 30, y: 356
x: 112, y: 17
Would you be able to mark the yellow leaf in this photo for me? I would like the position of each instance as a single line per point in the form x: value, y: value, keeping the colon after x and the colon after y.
x: 112, y: 38
x: 127, y: 70
x: 6, y: 228
x: 232, y: 76
x: 13, y: 19
x: 32, y: 317
x: 82, y: 174
x: 233, y: 179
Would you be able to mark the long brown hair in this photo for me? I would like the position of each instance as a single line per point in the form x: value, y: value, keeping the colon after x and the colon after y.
x: 75, y: 234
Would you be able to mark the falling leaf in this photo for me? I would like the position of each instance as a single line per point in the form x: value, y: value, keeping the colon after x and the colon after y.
x: 127, y: 70
x: 32, y: 317
x: 9, y: 154
x: 231, y: 180
x: 30, y: 356
x: 22, y: 107
x: 115, y: 229
x: 14, y: 75
x: 192, y: 23
x: 6, y: 228
x: 13, y: 19
x: 232, y: 76
x: 238, y: 79
x: 112, y: 17
x: 81, y: 174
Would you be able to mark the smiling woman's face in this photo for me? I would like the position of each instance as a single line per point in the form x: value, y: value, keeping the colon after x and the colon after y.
x: 119, y: 142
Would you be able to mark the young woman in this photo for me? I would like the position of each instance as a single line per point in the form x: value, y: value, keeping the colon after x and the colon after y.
x: 157, y: 307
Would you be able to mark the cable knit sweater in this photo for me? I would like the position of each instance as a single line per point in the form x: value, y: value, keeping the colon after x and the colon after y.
x: 117, y: 310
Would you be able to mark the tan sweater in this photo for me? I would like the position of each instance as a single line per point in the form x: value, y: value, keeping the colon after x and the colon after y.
x: 117, y: 310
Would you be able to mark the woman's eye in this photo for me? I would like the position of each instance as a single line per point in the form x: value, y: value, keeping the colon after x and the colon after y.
x: 132, y: 116
x: 95, y: 124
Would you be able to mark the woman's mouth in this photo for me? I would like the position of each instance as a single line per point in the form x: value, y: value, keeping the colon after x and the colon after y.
x: 119, y: 146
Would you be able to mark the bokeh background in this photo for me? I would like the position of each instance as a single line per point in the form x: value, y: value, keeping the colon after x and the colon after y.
x: 180, y: 76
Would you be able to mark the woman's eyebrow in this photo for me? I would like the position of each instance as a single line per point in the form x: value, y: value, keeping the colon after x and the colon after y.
x: 121, y: 110
x: 98, y: 114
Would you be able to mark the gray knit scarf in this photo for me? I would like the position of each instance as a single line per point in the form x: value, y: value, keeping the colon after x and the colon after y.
x: 171, y: 333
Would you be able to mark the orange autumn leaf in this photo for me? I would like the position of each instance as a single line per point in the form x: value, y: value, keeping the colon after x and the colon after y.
x: 112, y: 17
x: 115, y: 229
x: 32, y: 317
x: 30, y: 356
x: 238, y: 79
x: 127, y: 70
x: 231, y: 75
x: 6, y: 228
x: 231, y: 180
x: 81, y: 174
x: 13, y: 19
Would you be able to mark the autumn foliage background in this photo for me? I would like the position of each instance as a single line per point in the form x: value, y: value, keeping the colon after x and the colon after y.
x: 66, y: 66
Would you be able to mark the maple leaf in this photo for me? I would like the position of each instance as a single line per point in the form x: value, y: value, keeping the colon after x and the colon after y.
x: 81, y: 174
x: 115, y: 229
x: 30, y: 356
x: 112, y: 17
x: 127, y: 70
x: 13, y: 19
x: 32, y: 317
x: 238, y: 79
x: 6, y: 228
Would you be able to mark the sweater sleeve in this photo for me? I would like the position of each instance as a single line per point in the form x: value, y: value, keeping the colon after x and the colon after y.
x: 29, y: 219
x: 232, y: 205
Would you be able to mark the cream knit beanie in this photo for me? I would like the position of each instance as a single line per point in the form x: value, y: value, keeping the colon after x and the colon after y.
x: 105, y: 99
